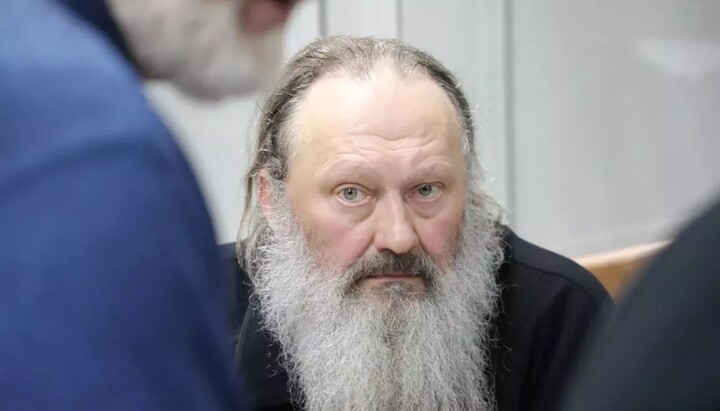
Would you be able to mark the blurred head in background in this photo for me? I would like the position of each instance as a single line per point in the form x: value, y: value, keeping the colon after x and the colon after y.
x: 370, y: 241
x: 208, y: 48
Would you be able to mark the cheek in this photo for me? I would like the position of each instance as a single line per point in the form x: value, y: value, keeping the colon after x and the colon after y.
x: 438, y: 234
x: 337, y: 239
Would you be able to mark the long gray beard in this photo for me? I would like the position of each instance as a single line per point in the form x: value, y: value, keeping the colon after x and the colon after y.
x: 393, y: 352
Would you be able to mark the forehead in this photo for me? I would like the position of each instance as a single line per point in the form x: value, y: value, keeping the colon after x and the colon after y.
x: 397, y: 112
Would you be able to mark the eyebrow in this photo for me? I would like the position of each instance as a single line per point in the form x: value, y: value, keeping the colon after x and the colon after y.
x: 432, y: 171
x: 346, y: 167
x: 360, y: 169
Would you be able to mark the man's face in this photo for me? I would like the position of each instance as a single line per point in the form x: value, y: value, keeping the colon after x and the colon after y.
x: 209, y: 48
x: 377, y: 167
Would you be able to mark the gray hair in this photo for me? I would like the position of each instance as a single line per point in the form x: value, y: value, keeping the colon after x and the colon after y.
x: 357, y: 57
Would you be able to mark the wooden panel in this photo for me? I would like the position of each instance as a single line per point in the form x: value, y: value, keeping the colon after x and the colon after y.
x: 616, y: 269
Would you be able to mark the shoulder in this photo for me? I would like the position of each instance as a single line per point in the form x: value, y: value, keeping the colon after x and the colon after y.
x: 54, y: 54
x: 72, y: 105
x: 78, y: 133
x: 228, y: 255
x: 68, y: 93
x: 548, y: 309
x: 538, y: 271
x: 240, y: 284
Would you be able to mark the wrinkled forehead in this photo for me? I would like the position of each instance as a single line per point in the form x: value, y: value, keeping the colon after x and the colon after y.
x: 397, y: 111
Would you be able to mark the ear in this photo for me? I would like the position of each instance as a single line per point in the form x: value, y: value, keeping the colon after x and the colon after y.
x: 266, y: 198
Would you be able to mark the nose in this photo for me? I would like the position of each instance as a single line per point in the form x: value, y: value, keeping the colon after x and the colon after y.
x: 395, y: 229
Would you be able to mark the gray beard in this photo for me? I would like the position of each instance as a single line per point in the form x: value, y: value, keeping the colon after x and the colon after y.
x: 394, y: 350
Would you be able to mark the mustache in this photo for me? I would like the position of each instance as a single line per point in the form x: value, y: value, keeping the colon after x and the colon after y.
x: 413, y: 263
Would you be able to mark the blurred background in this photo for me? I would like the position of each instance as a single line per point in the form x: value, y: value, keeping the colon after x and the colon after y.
x: 597, y: 119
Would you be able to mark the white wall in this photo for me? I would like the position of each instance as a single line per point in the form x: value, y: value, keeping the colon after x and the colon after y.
x: 596, y: 118
x: 616, y: 109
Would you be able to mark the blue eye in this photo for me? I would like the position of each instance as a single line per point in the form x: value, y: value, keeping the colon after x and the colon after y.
x: 352, y: 195
x: 428, y: 191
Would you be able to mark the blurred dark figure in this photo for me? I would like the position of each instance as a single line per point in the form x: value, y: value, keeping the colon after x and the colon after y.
x: 662, y: 351
x: 111, y: 289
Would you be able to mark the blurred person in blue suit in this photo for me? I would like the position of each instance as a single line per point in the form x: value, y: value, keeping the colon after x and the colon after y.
x: 112, y: 295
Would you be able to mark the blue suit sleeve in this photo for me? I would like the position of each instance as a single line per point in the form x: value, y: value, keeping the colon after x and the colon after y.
x: 111, y: 295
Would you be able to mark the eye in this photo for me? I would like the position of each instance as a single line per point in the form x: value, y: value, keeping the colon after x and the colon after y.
x: 427, y: 191
x: 352, y: 195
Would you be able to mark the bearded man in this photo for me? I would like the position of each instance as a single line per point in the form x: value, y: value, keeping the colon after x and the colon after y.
x: 375, y: 272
